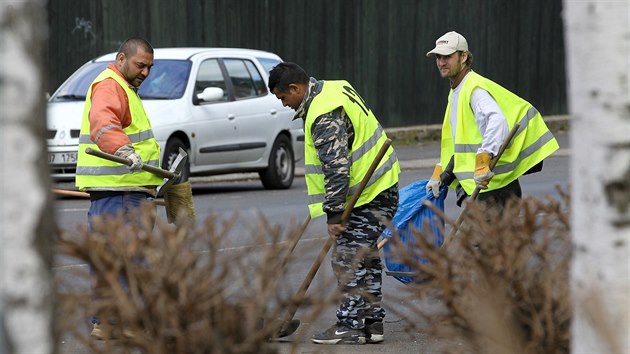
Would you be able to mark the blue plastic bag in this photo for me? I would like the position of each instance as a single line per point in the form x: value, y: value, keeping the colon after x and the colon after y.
x: 411, y: 215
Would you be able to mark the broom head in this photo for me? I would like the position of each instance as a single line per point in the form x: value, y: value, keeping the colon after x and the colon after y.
x: 179, y: 203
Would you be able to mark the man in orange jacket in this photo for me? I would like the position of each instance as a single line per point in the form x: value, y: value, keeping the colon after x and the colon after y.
x: 114, y: 121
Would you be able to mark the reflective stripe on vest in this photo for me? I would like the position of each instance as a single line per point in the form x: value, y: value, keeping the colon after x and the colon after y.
x: 532, y: 142
x: 369, y: 138
x: 94, y: 171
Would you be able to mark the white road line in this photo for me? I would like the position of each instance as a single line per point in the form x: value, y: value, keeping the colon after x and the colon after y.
x: 315, y: 239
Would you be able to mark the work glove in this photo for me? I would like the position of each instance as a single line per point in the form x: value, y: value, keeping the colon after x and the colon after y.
x: 483, y: 175
x: 128, y: 152
x: 434, y: 183
x: 136, y: 163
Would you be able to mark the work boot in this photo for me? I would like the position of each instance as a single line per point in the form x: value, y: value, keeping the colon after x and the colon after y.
x: 340, y: 333
x: 374, y: 331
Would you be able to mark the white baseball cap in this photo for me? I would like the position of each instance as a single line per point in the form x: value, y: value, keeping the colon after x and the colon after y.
x: 449, y: 43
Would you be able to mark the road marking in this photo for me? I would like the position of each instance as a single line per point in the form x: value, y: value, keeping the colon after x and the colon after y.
x: 314, y: 239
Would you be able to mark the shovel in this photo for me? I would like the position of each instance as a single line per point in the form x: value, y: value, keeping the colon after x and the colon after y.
x: 288, y: 325
x: 419, y: 275
x: 477, y: 190
x: 171, y: 175
x: 474, y: 195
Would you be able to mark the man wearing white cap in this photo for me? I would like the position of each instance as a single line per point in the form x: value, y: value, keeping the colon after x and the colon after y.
x: 478, y: 117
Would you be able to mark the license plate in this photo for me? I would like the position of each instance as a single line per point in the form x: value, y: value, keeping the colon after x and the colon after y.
x: 62, y: 158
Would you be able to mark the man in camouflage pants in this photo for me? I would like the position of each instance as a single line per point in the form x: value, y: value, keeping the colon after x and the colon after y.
x: 342, y: 138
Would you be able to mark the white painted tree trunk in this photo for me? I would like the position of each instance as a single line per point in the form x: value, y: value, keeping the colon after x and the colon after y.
x: 26, y: 216
x: 598, y: 52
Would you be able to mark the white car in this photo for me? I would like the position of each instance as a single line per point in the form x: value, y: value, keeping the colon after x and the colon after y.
x: 213, y: 102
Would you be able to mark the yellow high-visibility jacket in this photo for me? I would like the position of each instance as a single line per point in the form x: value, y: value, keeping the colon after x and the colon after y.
x: 532, y: 143
x: 369, y: 138
x: 94, y: 171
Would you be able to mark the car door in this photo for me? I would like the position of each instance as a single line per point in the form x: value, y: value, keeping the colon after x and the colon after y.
x: 214, y: 126
x: 256, y: 121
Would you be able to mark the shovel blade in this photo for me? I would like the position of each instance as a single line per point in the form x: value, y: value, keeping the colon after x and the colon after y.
x: 176, y: 167
x: 284, y: 328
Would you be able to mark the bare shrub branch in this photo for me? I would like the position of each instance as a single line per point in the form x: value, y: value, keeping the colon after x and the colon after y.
x: 503, y: 283
x: 175, y: 288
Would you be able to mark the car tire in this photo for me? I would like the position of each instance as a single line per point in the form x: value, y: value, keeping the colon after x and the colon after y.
x: 170, y: 154
x: 281, y: 169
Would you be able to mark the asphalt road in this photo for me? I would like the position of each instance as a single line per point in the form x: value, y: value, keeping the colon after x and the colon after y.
x: 226, y: 196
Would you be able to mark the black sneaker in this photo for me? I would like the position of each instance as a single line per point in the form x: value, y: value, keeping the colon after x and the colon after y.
x: 374, y: 332
x: 339, y: 333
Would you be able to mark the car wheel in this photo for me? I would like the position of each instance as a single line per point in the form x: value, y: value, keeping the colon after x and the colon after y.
x: 170, y: 154
x: 281, y: 170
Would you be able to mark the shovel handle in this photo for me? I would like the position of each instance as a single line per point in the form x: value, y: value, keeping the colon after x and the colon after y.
x: 125, y: 161
x: 329, y: 240
x: 475, y: 194
x: 365, y: 180
x: 71, y: 193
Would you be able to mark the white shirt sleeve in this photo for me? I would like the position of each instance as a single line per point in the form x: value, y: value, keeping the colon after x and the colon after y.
x: 490, y: 120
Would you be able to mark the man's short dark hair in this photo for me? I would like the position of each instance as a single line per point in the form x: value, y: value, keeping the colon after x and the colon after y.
x: 284, y: 74
x: 131, y: 45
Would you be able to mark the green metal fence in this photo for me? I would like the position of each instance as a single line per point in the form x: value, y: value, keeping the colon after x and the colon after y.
x: 377, y: 45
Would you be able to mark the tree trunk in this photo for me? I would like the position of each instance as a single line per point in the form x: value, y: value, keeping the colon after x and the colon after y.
x: 598, y: 46
x: 26, y: 215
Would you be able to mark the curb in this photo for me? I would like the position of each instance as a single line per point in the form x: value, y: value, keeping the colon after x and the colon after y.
x: 433, y: 132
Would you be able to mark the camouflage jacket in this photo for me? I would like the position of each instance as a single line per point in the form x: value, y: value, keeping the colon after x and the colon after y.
x: 333, y: 135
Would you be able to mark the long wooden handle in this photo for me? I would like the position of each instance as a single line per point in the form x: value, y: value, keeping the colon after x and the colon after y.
x: 329, y: 242
x: 495, y: 159
x: 295, y: 241
x: 493, y: 163
x: 156, y: 171
x: 71, y: 193
x: 365, y: 180
x: 477, y: 190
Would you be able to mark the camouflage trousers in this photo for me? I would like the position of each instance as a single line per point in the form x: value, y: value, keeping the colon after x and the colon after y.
x: 356, y: 261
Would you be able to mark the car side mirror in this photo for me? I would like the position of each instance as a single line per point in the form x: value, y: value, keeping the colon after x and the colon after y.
x: 210, y: 94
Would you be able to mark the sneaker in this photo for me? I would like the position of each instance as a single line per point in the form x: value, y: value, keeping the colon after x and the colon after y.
x: 374, y: 332
x: 339, y: 333
x: 100, y: 332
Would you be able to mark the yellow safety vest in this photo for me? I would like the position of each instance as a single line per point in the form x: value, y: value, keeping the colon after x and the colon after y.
x: 369, y: 137
x: 94, y: 171
x: 532, y: 143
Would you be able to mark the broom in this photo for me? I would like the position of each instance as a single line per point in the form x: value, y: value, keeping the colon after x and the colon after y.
x: 179, y: 202
x: 177, y: 197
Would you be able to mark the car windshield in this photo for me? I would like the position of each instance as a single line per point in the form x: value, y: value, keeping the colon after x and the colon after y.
x: 167, y: 80
x: 268, y: 63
